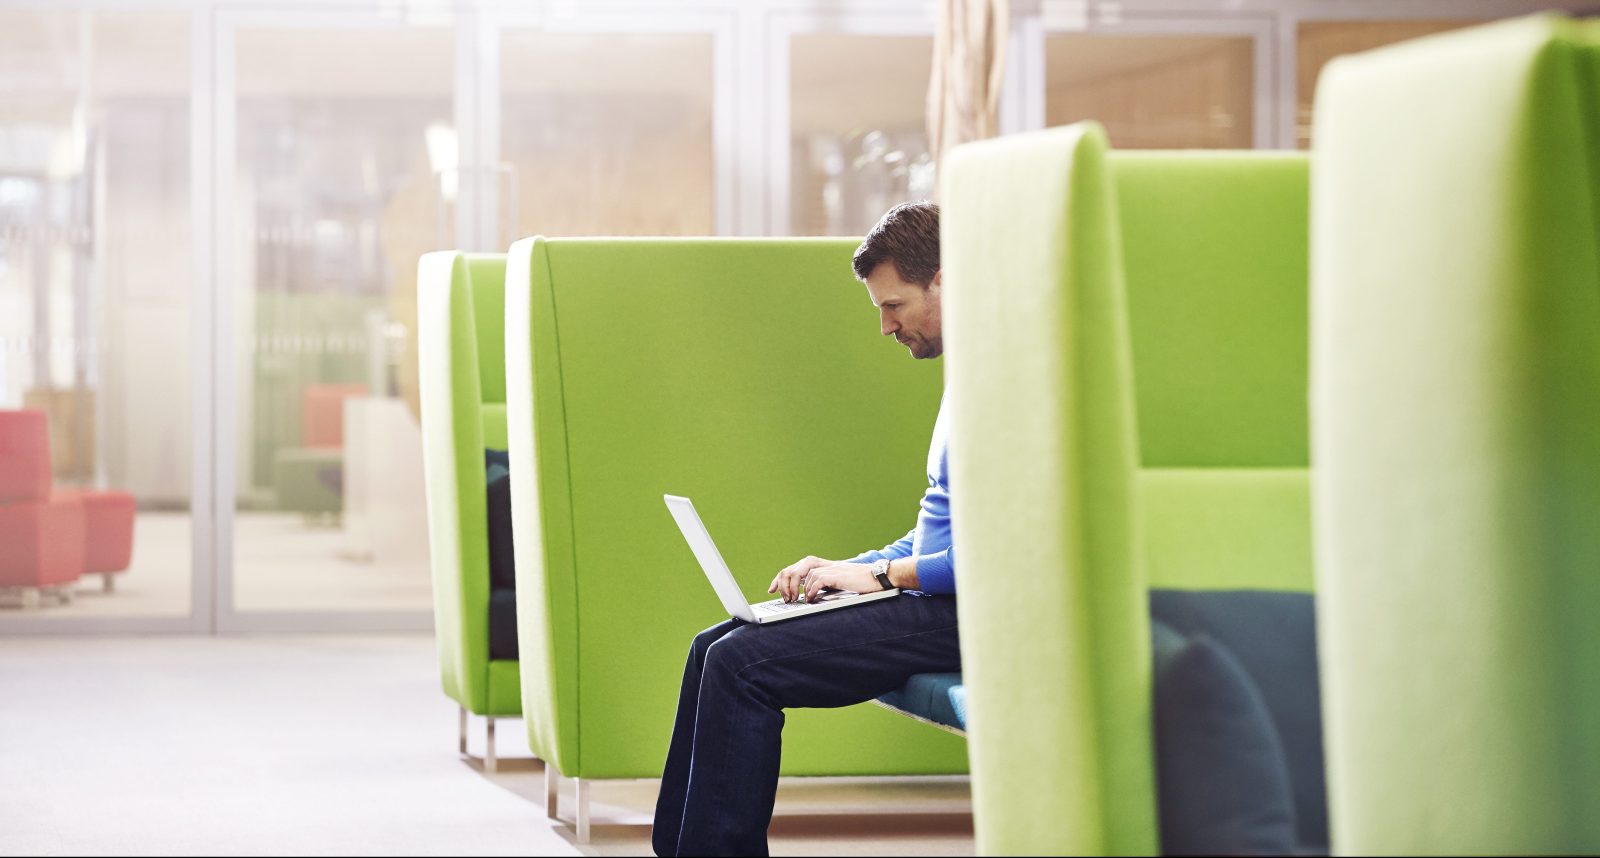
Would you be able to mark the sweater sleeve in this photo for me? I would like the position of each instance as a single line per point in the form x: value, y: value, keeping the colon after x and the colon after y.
x: 893, y: 551
x: 936, y: 573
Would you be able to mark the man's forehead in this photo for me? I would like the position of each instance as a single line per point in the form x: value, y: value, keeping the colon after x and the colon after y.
x: 884, y: 284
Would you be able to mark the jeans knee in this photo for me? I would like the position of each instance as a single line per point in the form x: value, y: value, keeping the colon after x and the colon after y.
x: 704, y: 640
x: 728, y: 653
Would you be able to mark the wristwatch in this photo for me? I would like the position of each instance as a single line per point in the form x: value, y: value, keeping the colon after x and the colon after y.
x: 880, y: 571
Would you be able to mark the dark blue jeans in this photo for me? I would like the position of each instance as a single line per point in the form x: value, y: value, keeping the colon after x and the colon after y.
x: 721, y: 776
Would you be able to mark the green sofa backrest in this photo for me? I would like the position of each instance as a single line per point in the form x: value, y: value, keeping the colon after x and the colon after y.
x: 1125, y: 337
x: 486, y: 278
x: 748, y: 375
x: 1456, y: 429
x: 1214, y: 251
x: 460, y: 337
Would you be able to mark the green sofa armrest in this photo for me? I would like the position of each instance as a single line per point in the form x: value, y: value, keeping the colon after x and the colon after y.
x: 461, y: 361
x: 1456, y: 355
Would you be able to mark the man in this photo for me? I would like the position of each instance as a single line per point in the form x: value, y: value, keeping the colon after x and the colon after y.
x: 721, y: 773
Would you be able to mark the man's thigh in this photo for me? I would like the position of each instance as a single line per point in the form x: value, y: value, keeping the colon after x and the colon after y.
x: 845, y: 656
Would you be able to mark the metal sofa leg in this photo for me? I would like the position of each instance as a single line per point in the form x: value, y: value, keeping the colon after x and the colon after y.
x: 462, y: 733
x: 488, y: 751
x: 552, y: 789
x: 583, y: 810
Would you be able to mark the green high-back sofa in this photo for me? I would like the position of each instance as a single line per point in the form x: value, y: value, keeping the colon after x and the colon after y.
x: 1456, y: 430
x: 1126, y: 347
x: 747, y: 374
x: 461, y: 319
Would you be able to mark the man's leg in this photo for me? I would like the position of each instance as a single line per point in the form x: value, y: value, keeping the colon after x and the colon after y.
x: 754, y: 672
x: 675, y: 774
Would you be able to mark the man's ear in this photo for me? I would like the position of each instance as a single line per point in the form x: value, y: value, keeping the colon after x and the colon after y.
x: 937, y: 280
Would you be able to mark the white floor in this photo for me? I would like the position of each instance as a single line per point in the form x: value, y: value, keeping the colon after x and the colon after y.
x: 336, y: 745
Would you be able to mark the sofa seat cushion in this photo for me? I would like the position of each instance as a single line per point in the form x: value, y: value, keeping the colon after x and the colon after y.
x: 107, y: 530
x: 1226, y: 528
x: 43, y: 542
x: 939, y: 698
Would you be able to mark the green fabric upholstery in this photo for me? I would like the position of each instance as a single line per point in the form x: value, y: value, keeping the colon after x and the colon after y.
x: 308, y: 480
x: 746, y: 374
x: 1456, y: 431
x: 461, y: 355
x: 1126, y: 340
x: 1226, y: 528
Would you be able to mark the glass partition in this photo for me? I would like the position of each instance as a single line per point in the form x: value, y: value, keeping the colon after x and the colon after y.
x: 346, y: 172
x: 606, y: 133
x: 858, y: 142
x: 95, y: 301
x: 1154, y: 92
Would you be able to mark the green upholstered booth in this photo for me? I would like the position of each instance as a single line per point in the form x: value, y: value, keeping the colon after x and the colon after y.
x: 1126, y: 346
x: 461, y: 317
x: 748, y: 375
x: 1456, y: 431
x: 309, y: 480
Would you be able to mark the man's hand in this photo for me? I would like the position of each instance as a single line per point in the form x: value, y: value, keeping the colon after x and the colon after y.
x: 855, y: 577
x: 788, y: 583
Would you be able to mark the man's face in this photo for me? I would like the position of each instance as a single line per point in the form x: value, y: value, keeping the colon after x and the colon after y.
x: 907, y: 311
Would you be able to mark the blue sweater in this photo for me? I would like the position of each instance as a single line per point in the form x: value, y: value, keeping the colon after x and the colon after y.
x: 929, y: 541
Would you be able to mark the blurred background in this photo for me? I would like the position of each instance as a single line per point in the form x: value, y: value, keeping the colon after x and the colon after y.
x: 211, y: 212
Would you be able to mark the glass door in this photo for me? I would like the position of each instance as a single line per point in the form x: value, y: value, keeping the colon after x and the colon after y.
x: 338, y: 165
x: 98, y: 326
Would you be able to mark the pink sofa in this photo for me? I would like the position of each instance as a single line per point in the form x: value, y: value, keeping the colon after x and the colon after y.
x: 322, y: 413
x: 49, y: 539
x: 108, y: 533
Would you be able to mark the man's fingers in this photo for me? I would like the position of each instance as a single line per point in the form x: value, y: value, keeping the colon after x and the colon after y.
x: 784, y: 583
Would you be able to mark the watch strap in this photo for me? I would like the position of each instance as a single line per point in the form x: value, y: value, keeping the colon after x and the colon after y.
x: 880, y: 571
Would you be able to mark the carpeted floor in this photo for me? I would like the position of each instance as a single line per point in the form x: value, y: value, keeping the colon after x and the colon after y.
x: 336, y: 745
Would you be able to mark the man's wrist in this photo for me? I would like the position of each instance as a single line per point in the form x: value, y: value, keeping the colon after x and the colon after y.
x: 903, y: 573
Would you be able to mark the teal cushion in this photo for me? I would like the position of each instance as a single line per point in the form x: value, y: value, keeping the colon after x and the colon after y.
x: 936, y: 697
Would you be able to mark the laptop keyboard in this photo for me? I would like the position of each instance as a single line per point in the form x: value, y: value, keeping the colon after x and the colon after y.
x: 779, y: 606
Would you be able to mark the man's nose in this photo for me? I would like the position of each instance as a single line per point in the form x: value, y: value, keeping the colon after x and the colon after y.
x: 887, y: 325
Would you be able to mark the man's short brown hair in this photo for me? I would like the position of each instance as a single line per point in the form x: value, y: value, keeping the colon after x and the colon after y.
x: 907, y: 238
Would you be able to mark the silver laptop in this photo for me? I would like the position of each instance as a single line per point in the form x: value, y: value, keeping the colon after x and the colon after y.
x: 727, y: 588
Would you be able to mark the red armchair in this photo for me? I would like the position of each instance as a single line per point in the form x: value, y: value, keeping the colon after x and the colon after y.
x: 48, y: 540
x: 42, y: 536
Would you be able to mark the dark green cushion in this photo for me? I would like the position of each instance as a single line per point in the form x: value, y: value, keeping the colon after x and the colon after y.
x: 503, y: 625
x: 1223, y: 785
x: 1273, y: 637
x: 502, y: 559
